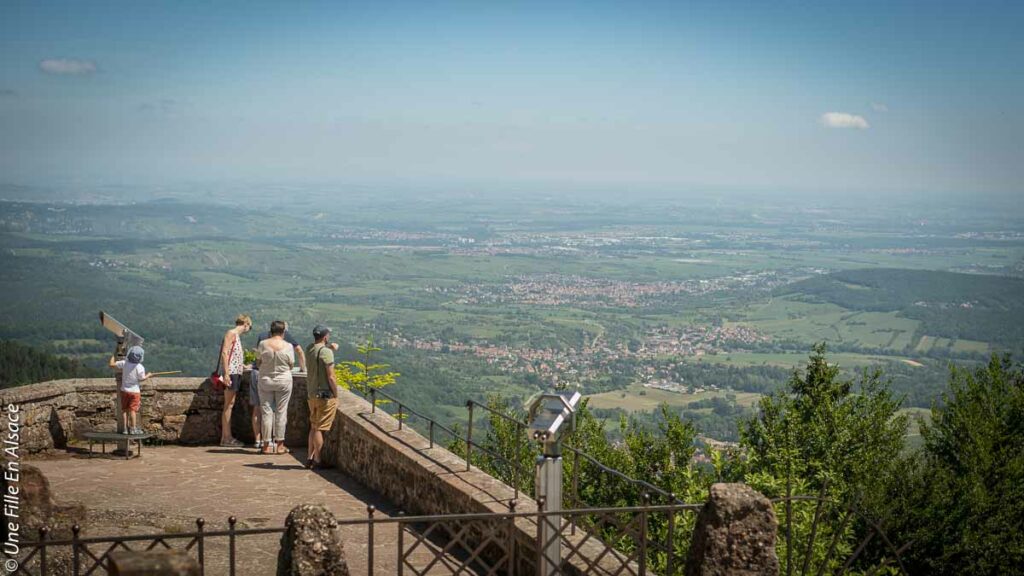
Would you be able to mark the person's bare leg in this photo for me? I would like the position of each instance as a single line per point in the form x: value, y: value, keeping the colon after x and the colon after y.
x: 256, y: 424
x: 135, y: 419
x: 318, y: 443
x: 225, y: 416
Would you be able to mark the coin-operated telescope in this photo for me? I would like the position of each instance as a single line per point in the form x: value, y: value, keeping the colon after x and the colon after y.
x: 125, y: 340
x: 552, y: 419
x: 125, y: 337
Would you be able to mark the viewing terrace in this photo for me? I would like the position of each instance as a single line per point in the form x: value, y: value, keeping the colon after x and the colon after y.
x: 403, y: 503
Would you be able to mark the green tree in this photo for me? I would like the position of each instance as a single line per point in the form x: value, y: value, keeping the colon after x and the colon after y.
x: 364, y: 375
x: 825, y: 434
x: 963, y: 502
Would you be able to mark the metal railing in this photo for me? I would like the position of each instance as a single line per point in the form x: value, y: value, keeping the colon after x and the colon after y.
x: 635, y: 540
x: 518, y: 471
x: 490, y: 543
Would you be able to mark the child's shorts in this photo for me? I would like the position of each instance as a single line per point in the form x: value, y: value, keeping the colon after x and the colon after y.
x: 130, y: 401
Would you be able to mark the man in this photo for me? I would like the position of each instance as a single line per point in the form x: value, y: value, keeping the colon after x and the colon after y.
x: 254, y: 377
x: 321, y: 391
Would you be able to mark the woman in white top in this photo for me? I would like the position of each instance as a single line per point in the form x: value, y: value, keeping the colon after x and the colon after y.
x: 275, y: 362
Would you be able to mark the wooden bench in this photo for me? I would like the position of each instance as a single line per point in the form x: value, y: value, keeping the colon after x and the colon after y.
x: 115, y: 437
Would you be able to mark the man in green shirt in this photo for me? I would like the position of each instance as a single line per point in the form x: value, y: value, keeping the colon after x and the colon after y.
x: 321, y: 391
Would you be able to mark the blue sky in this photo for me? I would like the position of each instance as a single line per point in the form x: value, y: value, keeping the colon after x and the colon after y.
x: 836, y: 97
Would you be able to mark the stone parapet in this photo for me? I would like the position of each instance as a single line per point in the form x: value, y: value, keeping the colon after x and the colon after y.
x: 401, y: 466
x: 175, y: 410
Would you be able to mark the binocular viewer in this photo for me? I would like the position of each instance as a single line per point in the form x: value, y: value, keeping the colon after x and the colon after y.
x: 125, y: 337
x: 552, y: 418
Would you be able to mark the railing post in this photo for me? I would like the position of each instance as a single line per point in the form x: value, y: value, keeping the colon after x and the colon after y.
x: 369, y: 539
x: 76, y: 567
x: 516, y: 463
x: 469, y: 435
x: 400, y: 416
x: 373, y: 400
x: 43, y: 531
x: 646, y: 502
x: 541, y: 565
x: 231, y: 545
x: 431, y: 433
x: 575, y: 484
x: 670, y: 544
x: 789, y: 525
x: 512, y: 568
x: 401, y: 544
x: 200, y: 550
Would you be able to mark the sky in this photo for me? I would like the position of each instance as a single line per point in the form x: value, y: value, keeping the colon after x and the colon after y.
x: 823, y: 97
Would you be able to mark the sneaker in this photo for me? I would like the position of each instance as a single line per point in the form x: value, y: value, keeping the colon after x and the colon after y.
x: 138, y: 431
x: 232, y: 443
x: 259, y: 445
x: 126, y: 432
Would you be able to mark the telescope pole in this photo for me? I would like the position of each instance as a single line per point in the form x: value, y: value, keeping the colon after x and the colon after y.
x: 549, y: 528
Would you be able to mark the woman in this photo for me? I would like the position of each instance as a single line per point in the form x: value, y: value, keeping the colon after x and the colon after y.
x: 231, y: 361
x: 275, y: 362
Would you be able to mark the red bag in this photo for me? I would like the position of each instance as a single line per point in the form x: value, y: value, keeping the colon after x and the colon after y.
x: 219, y: 385
x: 217, y: 381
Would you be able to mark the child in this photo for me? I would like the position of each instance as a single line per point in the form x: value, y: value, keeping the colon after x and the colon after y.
x: 130, y: 395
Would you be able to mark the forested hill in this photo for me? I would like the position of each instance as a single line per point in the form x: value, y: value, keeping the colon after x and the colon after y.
x: 948, y: 304
x: 21, y: 364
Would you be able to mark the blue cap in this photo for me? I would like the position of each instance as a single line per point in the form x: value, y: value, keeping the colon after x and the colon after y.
x: 135, y: 354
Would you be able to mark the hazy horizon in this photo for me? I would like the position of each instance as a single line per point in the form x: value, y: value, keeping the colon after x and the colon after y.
x: 894, y: 100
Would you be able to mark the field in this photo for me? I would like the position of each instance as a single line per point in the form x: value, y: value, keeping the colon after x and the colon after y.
x: 470, y: 298
x: 636, y: 398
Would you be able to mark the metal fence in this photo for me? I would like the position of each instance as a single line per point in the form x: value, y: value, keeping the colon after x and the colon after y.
x: 485, y: 543
x: 634, y: 541
x: 517, y: 474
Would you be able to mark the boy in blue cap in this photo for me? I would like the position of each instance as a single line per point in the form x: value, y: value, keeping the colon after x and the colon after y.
x: 130, y: 394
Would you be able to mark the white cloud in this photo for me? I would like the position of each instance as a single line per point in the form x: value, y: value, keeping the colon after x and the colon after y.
x: 68, y: 66
x: 879, y: 107
x: 844, y: 120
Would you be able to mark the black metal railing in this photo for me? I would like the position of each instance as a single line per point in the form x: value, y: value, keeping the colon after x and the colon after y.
x: 518, y: 472
x: 635, y: 540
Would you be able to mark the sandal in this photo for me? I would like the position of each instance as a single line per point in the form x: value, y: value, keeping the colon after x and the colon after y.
x: 282, y: 450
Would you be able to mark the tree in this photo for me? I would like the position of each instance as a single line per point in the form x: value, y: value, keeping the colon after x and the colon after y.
x: 963, y: 499
x: 823, y: 433
x: 363, y: 375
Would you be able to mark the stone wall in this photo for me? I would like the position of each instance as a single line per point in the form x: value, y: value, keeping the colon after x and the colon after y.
x: 401, y: 466
x: 175, y: 410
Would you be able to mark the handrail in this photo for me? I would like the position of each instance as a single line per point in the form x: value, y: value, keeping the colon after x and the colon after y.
x: 661, y: 492
x: 515, y: 465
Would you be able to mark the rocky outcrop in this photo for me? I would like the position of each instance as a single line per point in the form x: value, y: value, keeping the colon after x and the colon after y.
x: 735, y: 534
x: 37, y: 509
x: 311, y: 545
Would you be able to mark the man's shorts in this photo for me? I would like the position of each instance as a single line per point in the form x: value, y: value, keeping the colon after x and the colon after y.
x: 236, y: 383
x: 130, y: 401
x: 322, y: 412
x: 254, y: 388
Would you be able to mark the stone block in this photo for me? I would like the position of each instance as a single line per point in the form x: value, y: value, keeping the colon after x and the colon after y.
x: 152, y: 563
x: 311, y: 545
x: 734, y: 535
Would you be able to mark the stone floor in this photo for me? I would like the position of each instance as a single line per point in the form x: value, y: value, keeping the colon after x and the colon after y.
x: 170, y: 486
